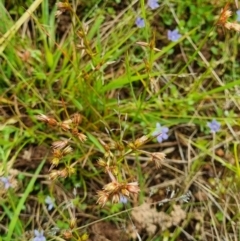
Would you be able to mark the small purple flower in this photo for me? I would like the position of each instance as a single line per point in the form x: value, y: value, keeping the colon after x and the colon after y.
x: 173, y: 35
x: 214, y: 126
x: 123, y: 199
x: 153, y: 4
x: 39, y: 236
x: 50, y: 202
x: 161, y: 133
x: 238, y: 15
x: 140, y: 22
x: 6, y: 182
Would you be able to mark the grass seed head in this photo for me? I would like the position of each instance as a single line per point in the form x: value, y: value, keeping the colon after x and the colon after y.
x: 125, y: 192
x: 118, y: 146
x: 67, y: 234
x: 140, y: 141
x: 71, y: 170
x: 65, y: 126
x: 151, y: 45
x: 75, y: 131
x: 223, y: 19
x: 108, y: 154
x: 84, y: 237
x: 64, y: 173
x: 133, y: 187
x: 55, y: 161
x: 62, y: 7
x: 232, y: 26
x: 47, y: 120
x: 54, y: 174
x: 67, y: 150
x: 115, y: 198
x: 158, y: 158
x: 114, y: 169
x: 59, y: 144
x: 112, y: 187
x: 57, y: 153
x: 103, y: 197
x: 224, y: 15
x: 105, y: 146
x: 101, y: 162
x: 82, y: 137
x: 76, y: 119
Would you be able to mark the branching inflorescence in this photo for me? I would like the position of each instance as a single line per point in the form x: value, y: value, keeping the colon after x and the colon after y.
x: 62, y: 148
x: 117, y: 190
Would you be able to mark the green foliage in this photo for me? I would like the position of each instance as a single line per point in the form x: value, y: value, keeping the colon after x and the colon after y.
x: 122, y: 80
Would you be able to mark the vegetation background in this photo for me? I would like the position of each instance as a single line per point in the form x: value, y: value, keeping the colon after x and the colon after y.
x: 121, y: 79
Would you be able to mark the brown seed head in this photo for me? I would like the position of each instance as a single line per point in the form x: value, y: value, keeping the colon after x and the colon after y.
x: 67, y: 234
x: 112, y: 187
x: 101, y: 162
x: 105, y: 146
x: 59, y: 144
x: 119, y: 146
x: 224, y: 15
x: 76, y: 119
x: 158, y: 158
x: 232, y: 26
x: 125, y: 192
x: 65, y: 126
x: 115, y: 190
x: 63, y: 173
x: 102, y: 198
x: 75, y: 131
x: 58, y: 13
x: 57, y: 153
x: 46, y: 119
x: 82, y: 137
x: 67, y: 150
x: 108, y: 154
x: 43, y: 118
x: 115, y: 198
x: 63, y: 6
x: 54, y: 174
x: 113, y: 169
x: 140, y: 141
x: 132, y: 187
x: 144, y: 44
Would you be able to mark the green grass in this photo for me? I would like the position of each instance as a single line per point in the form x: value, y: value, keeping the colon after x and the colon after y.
x: 89, y: 61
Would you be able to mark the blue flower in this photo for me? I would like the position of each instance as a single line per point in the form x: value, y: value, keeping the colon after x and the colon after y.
x: 140, y: 22
x: 6, y: 182
x: 173, y: 35
x: 39, y: 236
x: 123, y: 199
x: 238, y: 15
x: 161, y: 133
x: 214, y: 126
x: 50, y: 202
x: 153, y: 4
